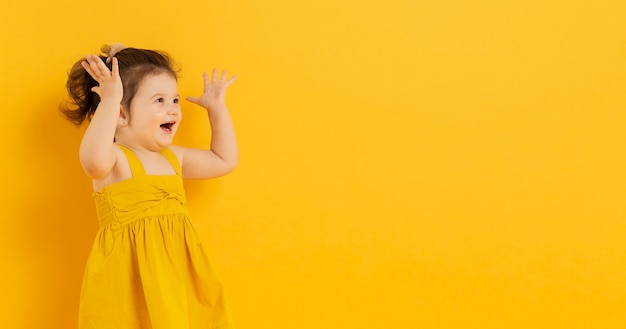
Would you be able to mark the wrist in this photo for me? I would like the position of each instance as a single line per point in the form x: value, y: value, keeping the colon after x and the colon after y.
x: 110, y: 103
x: 217, y: 109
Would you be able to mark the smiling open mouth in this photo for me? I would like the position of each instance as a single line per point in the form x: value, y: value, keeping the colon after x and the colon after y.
x: 167, y: 127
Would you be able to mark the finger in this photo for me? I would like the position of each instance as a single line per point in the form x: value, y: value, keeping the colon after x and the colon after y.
x: 206, y: 78
x: 87, y: 68
x: 230, y: 81
x: 223, y: 76
x: 214, y: 75
x: 192, y: 99
x: 104, y: 70
x: 115, y: 68
x: 97, y: 65
x: 93, y: 65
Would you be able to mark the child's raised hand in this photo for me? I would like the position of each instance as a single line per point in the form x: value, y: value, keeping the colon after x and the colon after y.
x: 109, y: 81
x: 214, y: 95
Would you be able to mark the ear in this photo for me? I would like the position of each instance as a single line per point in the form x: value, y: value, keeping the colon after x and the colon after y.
x: 123, y: 119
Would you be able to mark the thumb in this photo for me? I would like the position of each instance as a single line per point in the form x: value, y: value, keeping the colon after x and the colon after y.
x: 192, y: 99
x: 96, y: 90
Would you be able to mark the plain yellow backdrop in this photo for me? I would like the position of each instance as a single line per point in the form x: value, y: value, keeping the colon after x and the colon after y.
x: 404, y: 164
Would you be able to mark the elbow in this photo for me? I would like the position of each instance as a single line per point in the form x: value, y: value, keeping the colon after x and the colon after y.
x: 93, y: 172
x: 95, y: 168
x: 228, y: 165
x: 231, y: 165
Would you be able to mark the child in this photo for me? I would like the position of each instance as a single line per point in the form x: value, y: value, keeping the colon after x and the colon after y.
x: 147, y: 267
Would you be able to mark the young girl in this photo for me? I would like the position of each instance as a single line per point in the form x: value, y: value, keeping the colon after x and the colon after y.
x: 147, y: 267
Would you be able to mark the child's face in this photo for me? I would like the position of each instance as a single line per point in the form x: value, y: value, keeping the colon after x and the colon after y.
x: 155, y: 111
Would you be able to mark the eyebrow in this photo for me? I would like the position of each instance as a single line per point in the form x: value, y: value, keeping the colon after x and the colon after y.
x: 159, y: 94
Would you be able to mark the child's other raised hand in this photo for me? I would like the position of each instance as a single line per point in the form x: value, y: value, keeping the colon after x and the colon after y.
x: 109, y: 82
x: 214, y: 95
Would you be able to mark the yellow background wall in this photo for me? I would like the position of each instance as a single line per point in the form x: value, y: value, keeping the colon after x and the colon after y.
x: 404, y: 164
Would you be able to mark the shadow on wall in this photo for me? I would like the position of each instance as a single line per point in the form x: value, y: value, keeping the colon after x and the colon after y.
x: 59, y: 222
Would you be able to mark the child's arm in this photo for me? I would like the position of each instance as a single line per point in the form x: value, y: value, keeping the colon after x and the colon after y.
x: 97, y: 155
x: 223, y: 156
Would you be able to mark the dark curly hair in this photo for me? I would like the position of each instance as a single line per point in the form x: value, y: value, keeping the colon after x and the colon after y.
x: 134, y: 65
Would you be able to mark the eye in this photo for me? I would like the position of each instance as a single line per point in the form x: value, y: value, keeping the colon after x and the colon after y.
x: 160, y: 100
x: 176, y: 100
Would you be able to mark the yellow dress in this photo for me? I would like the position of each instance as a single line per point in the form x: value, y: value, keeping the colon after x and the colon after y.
x: 147, y: 268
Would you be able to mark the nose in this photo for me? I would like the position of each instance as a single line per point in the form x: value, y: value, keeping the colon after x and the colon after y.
x: 174, y: 108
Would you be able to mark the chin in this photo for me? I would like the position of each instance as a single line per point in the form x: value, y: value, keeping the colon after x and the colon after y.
x: 161, y: 143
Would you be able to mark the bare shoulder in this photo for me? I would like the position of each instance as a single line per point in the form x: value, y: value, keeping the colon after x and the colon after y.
x: 178, y: 151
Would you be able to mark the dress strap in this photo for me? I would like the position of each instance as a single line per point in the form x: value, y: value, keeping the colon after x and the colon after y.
x: 136, y: 168
x: 171, y: 157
